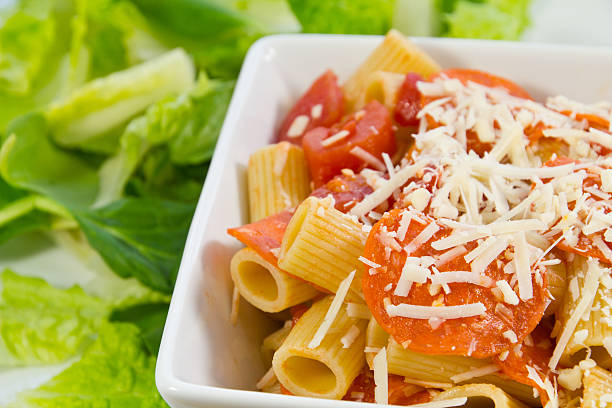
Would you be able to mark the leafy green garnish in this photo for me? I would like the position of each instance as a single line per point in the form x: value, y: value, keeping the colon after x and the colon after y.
x: 115, y: 371
x: 141, y: 238
x: 92, y: 117
x: 29, y: 160
x: 344, y: 16
x: 149, y: 317
x: 40, y: 324
x: 490, y: 19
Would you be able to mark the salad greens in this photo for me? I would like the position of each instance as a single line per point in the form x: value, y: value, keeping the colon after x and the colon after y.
x: 111, y: 112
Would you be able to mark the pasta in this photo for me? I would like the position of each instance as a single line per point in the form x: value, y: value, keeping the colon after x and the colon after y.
x: 472, y: 269
x: 590, y: 332
x: 325, y: 371
x: 382, y: 86
x: 324, y: 262
x: 264, y: 285
x: 277, y: 179
x: 597, y: 388
x: 395, y: 54
x: 477, y: 394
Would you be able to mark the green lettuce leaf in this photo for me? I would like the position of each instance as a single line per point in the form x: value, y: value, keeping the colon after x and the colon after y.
x: 141, y: 238
x: 40, y: 324
x: 115, y: 371
x: 149, y: 317
x: 344, y: 16
x: 189, y: 123
x: 94, y: 115
x: 491, y: 19
x: 30, y: 161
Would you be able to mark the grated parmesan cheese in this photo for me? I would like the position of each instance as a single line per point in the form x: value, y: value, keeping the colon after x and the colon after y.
x: 332, y: 312
x: 444, y: 312
x: 298, y: 126
x: 381, y: 377
x: 475, y: 373
x: 349, y: 338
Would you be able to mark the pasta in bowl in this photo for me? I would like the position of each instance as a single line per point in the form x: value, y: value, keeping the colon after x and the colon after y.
x: 438, y: 237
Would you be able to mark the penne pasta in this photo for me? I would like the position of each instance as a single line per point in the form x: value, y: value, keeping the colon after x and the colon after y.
x: 264, y: 285
x: 277, y: 178
x: 322, y: 245
x: 327, y: 370
x: 376, y: 338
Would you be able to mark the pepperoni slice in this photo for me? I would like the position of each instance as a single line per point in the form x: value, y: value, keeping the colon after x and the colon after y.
x: 368, y: 130
x: 592, y: 245
x: 264, y: 236
x: 473, y: 143
x: 324, y: 93
x: 484, y: 78
x: 535, y: 351
x: 478, y: 336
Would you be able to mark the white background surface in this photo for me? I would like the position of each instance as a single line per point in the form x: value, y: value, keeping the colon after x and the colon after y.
x: 553, y: 21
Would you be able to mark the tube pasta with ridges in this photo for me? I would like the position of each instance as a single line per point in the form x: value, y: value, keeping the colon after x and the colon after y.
x: 278, y: 179
x: 382, y: 86
x: 395, y: 54
x: 376, y: 338
x: 477, y: 392
x: 272, y: 342
x: 322, y: 245
x: 327, y: 370
x: 595, y: 330
x: 440, y: 368
x: 264, y: 285
x: 597, y: 384
x: 557, y: 284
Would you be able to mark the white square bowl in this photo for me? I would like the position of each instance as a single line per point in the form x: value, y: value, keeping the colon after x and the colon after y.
x: 204, y: 361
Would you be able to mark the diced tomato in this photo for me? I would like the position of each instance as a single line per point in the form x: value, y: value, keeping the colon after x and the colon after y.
x: 323, y: 94
x: 535, y: 353
x: 408, y: 101
x: 369, y: 129
x: 478, y: 336
x: 484, y: 78
x: 347, y: 191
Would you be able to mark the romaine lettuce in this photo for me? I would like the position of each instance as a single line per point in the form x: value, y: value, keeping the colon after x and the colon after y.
x: 40, y: 324
x: 115, y: 371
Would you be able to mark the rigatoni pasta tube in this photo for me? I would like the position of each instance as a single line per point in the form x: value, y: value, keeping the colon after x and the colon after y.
x: 477, y: 394
x: 322, y: 245
x: 557, y: 284
x: 591, y: 332
x: 441, y: 369
x: 272, y: 342
x: 597, y: 384
x: 328, y: 370
x: 376, y: 338
x: 264, y: 285
x: 395, y: 54
x: 277, y: 178
x: 382, y: 86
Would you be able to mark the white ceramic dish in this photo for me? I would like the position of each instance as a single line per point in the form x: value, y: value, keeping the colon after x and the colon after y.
x: 204, y: 361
